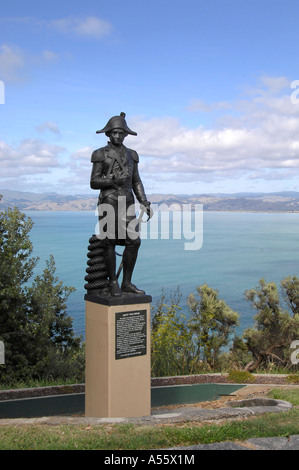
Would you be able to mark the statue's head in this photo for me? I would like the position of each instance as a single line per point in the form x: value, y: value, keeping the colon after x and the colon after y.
x: 117, y: 122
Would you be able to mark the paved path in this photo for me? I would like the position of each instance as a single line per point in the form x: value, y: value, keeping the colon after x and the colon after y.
x: 262, y: 443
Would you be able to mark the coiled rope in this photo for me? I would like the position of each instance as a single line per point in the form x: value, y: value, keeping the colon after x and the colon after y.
x: 97, y: 276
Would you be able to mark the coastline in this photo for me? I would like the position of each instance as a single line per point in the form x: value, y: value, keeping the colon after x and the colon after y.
x: 280, y: 202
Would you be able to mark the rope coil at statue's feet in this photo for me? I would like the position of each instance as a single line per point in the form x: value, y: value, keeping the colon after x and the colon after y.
x: 97, y: 277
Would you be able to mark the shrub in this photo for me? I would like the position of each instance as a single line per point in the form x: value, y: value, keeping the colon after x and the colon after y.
x: 241, y: 376
x: 293, y: 379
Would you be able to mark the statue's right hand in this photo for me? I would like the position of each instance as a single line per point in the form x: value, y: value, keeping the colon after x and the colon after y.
x: 121, y: 179
x: 106, y: 183
x: 112, y: 183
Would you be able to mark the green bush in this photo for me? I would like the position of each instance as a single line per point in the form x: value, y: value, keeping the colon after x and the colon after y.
x: 240, y: 376
x: 293, y: 379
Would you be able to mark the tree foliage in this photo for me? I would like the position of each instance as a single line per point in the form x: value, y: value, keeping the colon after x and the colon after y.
x: 184, y: 345
x: 212, y: 323
x: 34, y: 324
x: 171, y: 340
x: 276, y: 322
x: 205, y: 339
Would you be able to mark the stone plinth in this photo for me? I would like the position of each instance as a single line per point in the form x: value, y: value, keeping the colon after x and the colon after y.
x: 118, y: 368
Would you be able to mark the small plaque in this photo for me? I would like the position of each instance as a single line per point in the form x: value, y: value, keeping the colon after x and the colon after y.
x: 130, y: 334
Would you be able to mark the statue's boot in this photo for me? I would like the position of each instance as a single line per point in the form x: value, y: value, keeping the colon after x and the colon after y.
x: 129, y: 261
x: 110, y: 261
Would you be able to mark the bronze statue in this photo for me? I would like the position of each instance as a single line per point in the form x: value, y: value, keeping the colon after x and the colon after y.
x: 115, y: 173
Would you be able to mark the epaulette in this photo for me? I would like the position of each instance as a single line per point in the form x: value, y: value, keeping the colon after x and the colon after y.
x: 135, y: 155
x: 97, y: 155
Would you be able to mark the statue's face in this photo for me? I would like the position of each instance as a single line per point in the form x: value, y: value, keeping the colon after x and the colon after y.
x: 117, y: 136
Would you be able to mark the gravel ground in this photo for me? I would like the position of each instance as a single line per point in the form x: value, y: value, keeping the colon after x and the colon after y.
x: 279, y: 379
x: 248, y: 392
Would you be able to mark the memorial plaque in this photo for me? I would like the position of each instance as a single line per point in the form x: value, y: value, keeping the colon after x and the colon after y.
x: 130, y: 334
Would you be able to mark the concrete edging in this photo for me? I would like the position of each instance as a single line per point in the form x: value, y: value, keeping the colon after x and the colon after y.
x: 162, y: 415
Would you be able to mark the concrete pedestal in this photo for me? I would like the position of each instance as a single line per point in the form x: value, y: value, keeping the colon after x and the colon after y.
x: 118, y: 368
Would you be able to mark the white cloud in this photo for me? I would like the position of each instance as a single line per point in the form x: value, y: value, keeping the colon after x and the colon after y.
x: 32, y: 156
x: 15, y: 63
x: 263, y: 139
x: 48, y: 126
x: 201, y: 105
x: 90, y: 26
x: 271, y: 85
x: 12, y: 61
x: 261, y: 143
x: 49, y: 56
x: 257, y: 142
x: 80, y: 166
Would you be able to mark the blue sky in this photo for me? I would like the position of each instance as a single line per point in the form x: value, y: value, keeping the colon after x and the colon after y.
x: 205, y: 84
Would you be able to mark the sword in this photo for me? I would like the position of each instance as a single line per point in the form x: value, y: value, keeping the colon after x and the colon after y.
x: 139, y: 221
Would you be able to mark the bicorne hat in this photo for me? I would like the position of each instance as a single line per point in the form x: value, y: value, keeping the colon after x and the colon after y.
x: 117, y: 122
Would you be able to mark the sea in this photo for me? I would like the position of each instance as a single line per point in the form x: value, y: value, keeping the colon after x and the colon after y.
x: 233, y: 251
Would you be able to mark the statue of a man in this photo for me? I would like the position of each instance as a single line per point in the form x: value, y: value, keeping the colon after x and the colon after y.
x: 115, y: 173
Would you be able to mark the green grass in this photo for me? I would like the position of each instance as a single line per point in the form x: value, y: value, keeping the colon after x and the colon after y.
x: 37, y: 383
x: 290, y: 395
x: 132, y: 437
x: 136, y: 437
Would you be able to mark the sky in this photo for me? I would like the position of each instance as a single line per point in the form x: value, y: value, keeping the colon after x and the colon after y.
x: 210, y: 86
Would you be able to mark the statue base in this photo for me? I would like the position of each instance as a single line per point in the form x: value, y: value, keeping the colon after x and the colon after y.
x: 118, y: 366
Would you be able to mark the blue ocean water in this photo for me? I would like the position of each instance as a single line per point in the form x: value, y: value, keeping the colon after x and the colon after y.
x: 238, y: 250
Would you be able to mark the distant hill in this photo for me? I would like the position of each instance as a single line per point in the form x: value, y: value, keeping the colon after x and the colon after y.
x: 240, y: 202
x: 27, y: 201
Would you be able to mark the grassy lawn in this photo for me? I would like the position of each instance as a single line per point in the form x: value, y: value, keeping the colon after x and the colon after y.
x: 135, y: 437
